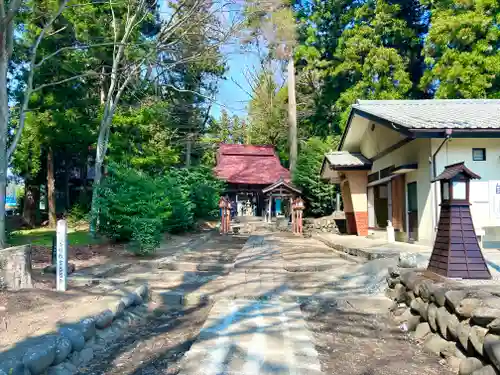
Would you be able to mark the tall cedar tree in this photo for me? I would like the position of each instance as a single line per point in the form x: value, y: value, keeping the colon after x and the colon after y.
x: 462, y: 50
x: 350, y: 50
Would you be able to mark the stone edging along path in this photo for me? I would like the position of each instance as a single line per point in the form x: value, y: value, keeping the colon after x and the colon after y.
x: 459, y: 322
x: 73, y: 345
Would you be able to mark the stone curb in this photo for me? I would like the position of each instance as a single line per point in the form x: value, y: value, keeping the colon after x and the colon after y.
x: 355, y: 252
x: 73, y: 345
x: 449, y: 316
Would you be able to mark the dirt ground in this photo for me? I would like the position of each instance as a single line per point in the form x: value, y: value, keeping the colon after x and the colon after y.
x: 154, y: 347
x: 36, y: 311
x: 350, y: 342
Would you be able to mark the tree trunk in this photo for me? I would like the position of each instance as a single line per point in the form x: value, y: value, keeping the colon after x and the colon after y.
x: 189, y: 145
x: 66, y: 184
x: 102, y: 143
x: 31, y: 204
x: 4, y: 121
x: 292, y: 114
x: 51, y: 189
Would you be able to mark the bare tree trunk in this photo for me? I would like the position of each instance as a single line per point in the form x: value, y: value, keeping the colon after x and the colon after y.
x: 4, y: 121
x: 31, y: 204
x: 51, y: 194
x: 292, y: 114
x: 189, y: 146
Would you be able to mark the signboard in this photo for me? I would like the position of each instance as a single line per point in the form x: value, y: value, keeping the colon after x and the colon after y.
x: 62, y: 256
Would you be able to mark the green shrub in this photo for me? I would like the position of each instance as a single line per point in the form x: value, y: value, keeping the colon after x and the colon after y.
x: 134, y: 206
x: 146, y: 235
x: 78, y: 214
x: 319, y: 195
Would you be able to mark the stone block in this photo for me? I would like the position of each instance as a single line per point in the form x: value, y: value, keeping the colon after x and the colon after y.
x: 463, y: 331
x: 453, y: 298
x: 422, y: 330
x: 409, y: 279
x: 15, y: 267
x: 400, y: 293
x: 425, y: 289
x: 420, y: 307
x: 469, y: 365
x: 491, y: 348
x: 87, y: 326
x: 486, y: 370
x: 438, y: 295
x: 435, y: 344
x: 467, y: 307
x: 494, y: 326
x: 63, y: 348
x: 409, y: 297
x: 487, y: 312
x: 117, y: 308
x: 74, y: 335
x: 104, y: 319
x: 446, y: 323
x: 431, y: 316
x: 476, y: 337
x: 40, y: 356
x: 142, y: 291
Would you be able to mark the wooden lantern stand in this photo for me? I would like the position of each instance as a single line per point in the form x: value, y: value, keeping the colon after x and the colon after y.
x: 225, y: 215
x: 456, y: 252
x: 297, y: 214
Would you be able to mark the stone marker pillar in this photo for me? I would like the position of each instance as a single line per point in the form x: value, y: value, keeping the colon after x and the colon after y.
x: 62, y: 256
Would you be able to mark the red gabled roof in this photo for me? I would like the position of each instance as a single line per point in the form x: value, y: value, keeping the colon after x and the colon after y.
x: 247, y: 164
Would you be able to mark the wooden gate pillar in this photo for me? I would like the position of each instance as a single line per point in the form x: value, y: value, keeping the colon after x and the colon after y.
x: 225, y: 215
x: 297, y: 213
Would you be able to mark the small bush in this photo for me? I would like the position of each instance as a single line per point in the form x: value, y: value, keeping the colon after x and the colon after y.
x: 146, y: 235
x: 134, y: 206
x: 77, y: 215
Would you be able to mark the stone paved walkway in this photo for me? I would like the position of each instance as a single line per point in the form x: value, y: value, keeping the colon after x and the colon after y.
x: 263, y: 331
x: 286, y: 305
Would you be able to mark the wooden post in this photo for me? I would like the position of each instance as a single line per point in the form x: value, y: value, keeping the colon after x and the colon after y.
x: 297, y: 209
x: 224, y: 223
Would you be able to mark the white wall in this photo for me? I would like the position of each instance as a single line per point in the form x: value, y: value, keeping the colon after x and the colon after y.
x: 417, y: 151
x: 485, y: 207
x: 378, y: 139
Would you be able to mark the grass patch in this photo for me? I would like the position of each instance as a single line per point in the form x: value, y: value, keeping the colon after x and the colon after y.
x: 43, y: 237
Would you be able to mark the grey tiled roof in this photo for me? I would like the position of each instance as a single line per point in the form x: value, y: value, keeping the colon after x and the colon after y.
x: 347, y: 159
x: 436, y: 113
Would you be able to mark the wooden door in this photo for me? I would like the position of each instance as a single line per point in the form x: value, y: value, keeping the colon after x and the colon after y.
x: 398, y: 202
x: 411, y: 189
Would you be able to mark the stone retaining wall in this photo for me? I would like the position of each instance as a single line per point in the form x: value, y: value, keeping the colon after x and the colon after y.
x: 74, y: 344
x: 320, y: 225
x: 458, y: 322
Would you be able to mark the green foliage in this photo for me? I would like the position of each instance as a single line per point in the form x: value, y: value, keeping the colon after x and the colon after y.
x: 225, y: 130
x: 267, y: 112
x: 138, y: 207
x: 462, y: 50
x: 141, y: 137
x: 77, y: 215
x: 320, y: 195
x: 355, y: 50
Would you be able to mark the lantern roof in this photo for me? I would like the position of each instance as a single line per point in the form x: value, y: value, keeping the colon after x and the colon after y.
x: 453, y: 170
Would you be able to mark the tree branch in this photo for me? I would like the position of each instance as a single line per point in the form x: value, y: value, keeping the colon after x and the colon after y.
x: 29, y: 85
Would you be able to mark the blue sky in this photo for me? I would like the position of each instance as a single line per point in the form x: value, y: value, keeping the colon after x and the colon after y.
x: 234, y: 89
